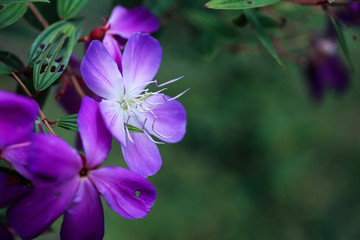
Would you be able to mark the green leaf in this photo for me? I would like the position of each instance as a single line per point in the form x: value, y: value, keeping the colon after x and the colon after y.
x: 238, y: 4
x: 68, y: 122
x: 11, y: 61
x: 10, y: 13
x: 133, y: 129
x: 70, y: 8
x: 4, y: 70
x: 51, y: 51
x: 21, y: 1
x: 262, y: 35
x: 342, y: 42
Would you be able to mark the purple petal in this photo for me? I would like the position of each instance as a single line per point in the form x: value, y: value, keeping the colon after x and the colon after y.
x: 113, y: 48
x: 118, y: 187
x: 51, y: 158
x: 17, y: 155
x: 18, y: 114
x: 70, y: 101
x: 141, y: 60
x: 85, y: 217
x: 96, y: 139
x: 125, y: 22
x: 100, y: 72
x: 36, y: 212
x: 113, y: 116
x: 170, y: 124
x: 142, y: 156
x: 12, y: 194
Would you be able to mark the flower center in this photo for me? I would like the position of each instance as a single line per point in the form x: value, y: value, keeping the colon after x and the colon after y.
x: 84, y: 172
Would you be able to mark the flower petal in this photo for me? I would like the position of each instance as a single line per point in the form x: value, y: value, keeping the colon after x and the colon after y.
x: 85, y: 217
x: 118, y: 186
x: 113, y: 48
x: 51, y: 158
x: 113, y: 116
x: 125, y: 22
x: 96, y: 139
x: 170, y: 124
x: 141, y: 61
x: 18, y: 114
x: 37, y: 211
x: 17, y: 155
x: 142, y: 155
x: 100, y: 72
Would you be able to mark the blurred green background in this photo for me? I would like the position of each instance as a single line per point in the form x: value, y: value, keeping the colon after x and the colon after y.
x: 260, y: 159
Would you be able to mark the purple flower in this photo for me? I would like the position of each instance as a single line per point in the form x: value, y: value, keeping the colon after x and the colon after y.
x: 325, y: 69
x: 126, y: 102
x: 350, y: 14
x: 18, y: 114
x: 71, y: 183
x: 120, y: 26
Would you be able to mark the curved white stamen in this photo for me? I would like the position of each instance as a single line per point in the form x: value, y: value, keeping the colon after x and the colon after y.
x: 168, y: 82
x: 177, y: 96
x: 161, y: 135
x: 127, y: 130
x: 152, y: 139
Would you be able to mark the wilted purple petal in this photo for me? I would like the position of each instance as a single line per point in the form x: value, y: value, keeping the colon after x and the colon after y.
x: 113, y: 48
x: 113, y: 116
x: 36, y: 212
x: 170, y: 123
x: 141, y: 61
x: 17, y: 119
x: 118, y: 186
x: 52, y: 158
x: 142, y: 156
x: 85, y: 217
x: 100, y: 72
x: 125, y: 22
x: 96, y: 139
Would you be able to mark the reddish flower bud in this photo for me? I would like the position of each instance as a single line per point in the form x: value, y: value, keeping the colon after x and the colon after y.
x: 98, y: 33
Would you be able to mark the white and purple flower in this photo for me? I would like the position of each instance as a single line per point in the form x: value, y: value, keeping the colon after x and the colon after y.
x: 127, y: 102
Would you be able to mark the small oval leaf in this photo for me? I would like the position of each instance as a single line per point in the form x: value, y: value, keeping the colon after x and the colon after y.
x: 239, y: 4
x: 51, y: 51
x: 70, y: 8
x: 10, y: 13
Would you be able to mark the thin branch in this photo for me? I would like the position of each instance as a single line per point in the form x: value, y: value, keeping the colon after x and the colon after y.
x: 74, y: 81
x: 27, y: 92
x: 38, y: 15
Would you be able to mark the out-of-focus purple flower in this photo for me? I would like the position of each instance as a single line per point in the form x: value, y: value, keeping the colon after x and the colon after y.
x: 68, y: 98
x: 71, y: 183
x: 350, y: 14
x: 120, y: 26
x: 18, y: 114
x: 126, y: 102
x: 325, y: 69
